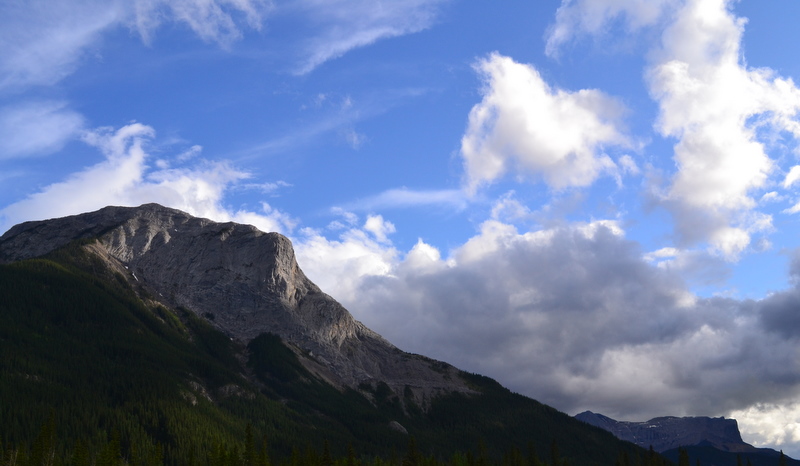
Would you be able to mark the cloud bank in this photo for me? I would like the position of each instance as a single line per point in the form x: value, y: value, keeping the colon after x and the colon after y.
x: 575, y: 316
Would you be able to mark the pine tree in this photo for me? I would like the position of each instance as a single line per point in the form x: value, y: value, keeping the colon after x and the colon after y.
x: 80, y: 454
x: 555, y: 458
x: 412, y: 455
x: 327, y: 459
x: 533, y: 459
x: 683, y: 457
x: 44, y: 447
x: 249, y: 447
x: 351, y: 455
x: 263, y: 456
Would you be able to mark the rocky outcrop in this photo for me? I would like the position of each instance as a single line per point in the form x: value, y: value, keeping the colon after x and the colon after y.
x: 245, y: 282
x: 666, y: 433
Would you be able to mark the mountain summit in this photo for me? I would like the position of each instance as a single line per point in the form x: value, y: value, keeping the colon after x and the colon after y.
x: 243, y: 281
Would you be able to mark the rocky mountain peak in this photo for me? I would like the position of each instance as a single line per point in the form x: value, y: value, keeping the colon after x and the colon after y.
x: 244, y: 281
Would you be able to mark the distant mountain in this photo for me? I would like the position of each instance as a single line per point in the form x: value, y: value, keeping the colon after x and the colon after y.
x: 148, y: 336
x: 713, y: 441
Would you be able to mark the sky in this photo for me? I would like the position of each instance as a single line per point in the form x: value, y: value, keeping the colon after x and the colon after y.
x: 595, y: 202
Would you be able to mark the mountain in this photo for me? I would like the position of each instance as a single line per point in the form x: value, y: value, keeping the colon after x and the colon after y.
x: 245, y: 282
x: 713, y: 441
x: 147, y: 336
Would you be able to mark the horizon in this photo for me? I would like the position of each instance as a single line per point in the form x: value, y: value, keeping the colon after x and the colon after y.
x: 591, y: 202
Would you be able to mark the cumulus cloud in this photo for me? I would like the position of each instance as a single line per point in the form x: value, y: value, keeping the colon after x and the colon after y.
x: 124, y: 178
x: 36, y: 128
x: 524, y: 124
x: 722, y: 113
x: 715, y: 106
x: 339, y: 266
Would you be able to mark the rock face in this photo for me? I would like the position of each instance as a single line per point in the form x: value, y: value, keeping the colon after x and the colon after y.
x: 666, y: 433
x: 242, y: 280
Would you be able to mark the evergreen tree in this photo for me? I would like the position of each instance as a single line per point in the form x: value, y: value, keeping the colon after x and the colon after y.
x: 80, y: 454
x: 327, y: 459
x: 249, y: 447
x: 351, y: 455
x: 533, y: 459
x: 44, y: 448
x: 555, y: 457
x: 263, y: 456
x: 412, y: 457
x: 683, y: 457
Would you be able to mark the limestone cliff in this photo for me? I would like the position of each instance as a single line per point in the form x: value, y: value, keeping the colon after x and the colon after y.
x: 668, y: 432
x: 242, y: 280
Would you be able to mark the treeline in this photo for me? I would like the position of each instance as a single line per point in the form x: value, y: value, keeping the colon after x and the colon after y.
x: 118, y: 450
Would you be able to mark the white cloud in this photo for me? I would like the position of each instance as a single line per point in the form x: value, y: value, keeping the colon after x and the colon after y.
x: 379, y: 227
x: 124, y: 178
x: 43, y: 41
x: 353, y: 138
x: 212, y: 20
x: 404, y: 197
x: 575, y: 18
x: 770, y: 423
x: 340, y: 266
x: 34, y: 128
x: 524, y: 124
x: 721, y: 112
x: 792, y: 177
x: 343, y: 25
x: 714, y: 105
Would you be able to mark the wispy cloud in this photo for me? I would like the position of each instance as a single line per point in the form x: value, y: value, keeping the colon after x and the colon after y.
x: 125, y: 178
x: 212, y: 20
x: 37, y: 128
x: 578, y: 18
x: 44, y: 41
x: 343, y: 25
x: 404, y: 197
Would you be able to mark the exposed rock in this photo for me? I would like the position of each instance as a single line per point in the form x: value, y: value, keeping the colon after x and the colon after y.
x: 243, y: 281
x: 666, y: 433
x: 396, y: 426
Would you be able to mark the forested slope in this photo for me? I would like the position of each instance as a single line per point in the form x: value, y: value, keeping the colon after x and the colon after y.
x: 91, y: 373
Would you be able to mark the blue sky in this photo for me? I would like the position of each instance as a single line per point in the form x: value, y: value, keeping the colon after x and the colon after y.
x: 593, y: 201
